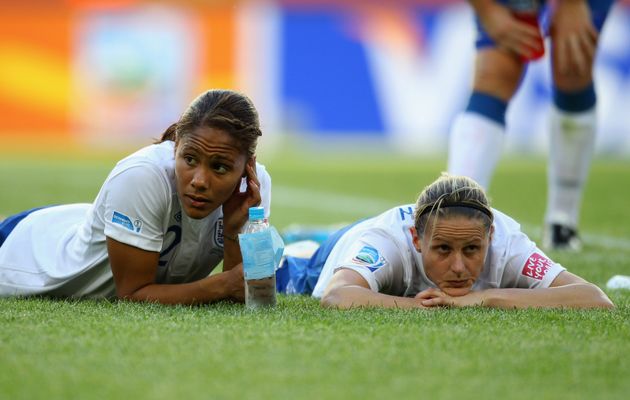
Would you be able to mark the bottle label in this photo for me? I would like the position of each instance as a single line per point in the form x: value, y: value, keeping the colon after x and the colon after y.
x: 258, y: 254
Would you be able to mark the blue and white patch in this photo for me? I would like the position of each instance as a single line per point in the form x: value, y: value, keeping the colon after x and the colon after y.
x: 368, y: 257
x: 125, y: 221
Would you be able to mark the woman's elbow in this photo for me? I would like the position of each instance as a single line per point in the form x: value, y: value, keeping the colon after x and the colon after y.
x: 327, y: 300
x: 131, y: 294
x: 126, y: 296
x: 605, y: 302
x: 600, y: 299
x: 331, y: 299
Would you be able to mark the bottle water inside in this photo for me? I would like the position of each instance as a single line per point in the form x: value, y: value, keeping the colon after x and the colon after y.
x: 258, y: 262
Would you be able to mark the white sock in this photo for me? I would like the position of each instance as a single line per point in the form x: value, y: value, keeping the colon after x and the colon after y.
x: 475, y: 147
x: 571, y: 149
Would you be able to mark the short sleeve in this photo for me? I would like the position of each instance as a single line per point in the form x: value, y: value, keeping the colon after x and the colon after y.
x: 527, y: 266
x: 374, y: 256
x: 136, y: 206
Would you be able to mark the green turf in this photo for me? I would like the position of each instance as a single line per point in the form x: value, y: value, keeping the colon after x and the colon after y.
x: 85, y: 349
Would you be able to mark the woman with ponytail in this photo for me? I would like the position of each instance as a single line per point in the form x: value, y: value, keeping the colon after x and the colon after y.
x: 164, y: 218
x: 450, y: 249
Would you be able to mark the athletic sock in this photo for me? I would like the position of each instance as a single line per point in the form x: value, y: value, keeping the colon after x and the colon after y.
x: 572, y: 143
x: 570, y: 154
x: 476, y: 139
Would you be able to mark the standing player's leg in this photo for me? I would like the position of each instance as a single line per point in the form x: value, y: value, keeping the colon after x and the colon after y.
x: 477, y: 135
x: 573, y: 125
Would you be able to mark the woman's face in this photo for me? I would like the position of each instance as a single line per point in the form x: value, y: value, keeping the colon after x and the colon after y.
x: 454, y: 253
x: 208, y: 168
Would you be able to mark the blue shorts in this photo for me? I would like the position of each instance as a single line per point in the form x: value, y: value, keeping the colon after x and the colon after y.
x: 7, y: 226
x: 599, y: 12
x: 300, y: 275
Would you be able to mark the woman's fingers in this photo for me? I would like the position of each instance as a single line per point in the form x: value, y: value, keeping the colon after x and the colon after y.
x: 428, y: 293
x: 251, y: 172
x: 528, y: 39
x: 562, y: 56
x: 253, y: 185
x: 433, y: 297
x: 577, y: 57
x: 253, y: 189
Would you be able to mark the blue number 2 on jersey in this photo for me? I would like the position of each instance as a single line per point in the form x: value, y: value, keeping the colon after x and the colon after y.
x: 177, y: 230
x: 405, y: 211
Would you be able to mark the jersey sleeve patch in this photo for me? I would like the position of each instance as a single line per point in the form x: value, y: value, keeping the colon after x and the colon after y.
x: 369, y: 257
x: 123, y: 220
x: 536, y: 266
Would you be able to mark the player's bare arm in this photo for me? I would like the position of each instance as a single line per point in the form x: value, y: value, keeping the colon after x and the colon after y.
x: 348, y: 289
x: 134, y: 272
x: 566, y: 291
x: 235, y: 214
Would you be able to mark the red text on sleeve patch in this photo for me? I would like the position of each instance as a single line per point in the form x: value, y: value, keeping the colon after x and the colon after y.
x: 536, y: 266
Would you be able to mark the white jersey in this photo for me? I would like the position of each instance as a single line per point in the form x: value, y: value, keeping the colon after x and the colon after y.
x: 381, y: 250
x: 62, y: 250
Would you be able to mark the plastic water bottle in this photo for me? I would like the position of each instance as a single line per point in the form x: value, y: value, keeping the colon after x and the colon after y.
x: 258, y: 261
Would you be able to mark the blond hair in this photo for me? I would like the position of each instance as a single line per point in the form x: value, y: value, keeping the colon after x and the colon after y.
x: 452, y: 195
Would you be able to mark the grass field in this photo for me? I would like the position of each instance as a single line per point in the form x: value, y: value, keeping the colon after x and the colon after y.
x: 86, y: 349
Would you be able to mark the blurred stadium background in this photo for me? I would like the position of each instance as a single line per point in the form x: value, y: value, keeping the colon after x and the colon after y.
x: 106, y: 74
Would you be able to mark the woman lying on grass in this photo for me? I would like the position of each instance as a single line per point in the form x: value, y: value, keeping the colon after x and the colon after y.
x: 157, y: 227
x: 450, y: 249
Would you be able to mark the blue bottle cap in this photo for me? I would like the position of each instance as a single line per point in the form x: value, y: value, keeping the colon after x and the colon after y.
x: 256, y: 213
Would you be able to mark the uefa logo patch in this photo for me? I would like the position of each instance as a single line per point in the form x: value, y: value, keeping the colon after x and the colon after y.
x: 369, y: 257
x: 536, y: 266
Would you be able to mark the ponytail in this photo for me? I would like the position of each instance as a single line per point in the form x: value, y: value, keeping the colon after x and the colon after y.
x: 169, y: 134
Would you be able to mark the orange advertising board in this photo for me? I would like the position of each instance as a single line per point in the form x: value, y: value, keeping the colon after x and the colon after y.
x: 35, y: 71
x: 64, y: 69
